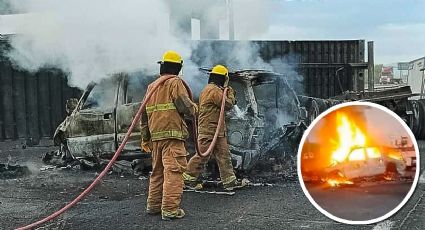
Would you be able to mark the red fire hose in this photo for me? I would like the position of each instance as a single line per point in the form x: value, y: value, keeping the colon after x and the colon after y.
x: 121, y: 147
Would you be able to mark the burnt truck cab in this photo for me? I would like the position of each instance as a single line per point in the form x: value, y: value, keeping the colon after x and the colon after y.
x: 268, y: 119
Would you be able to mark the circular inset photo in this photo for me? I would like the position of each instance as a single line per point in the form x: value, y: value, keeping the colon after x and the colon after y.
x: 357, y: 163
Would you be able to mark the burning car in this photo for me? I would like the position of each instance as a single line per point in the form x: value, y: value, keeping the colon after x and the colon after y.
x: 345, y: 149
x: 268, y: 121
x: 364, y: 162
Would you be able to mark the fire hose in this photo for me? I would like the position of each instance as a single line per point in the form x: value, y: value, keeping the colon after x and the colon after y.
x: 134, y: 122
x: 217, y: 130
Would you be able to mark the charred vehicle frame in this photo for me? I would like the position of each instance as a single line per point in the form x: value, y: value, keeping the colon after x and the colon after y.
x: 256, y: 130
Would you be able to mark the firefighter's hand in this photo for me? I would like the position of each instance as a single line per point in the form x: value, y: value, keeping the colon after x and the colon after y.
x: 231, y: 95
x: 146, y: 146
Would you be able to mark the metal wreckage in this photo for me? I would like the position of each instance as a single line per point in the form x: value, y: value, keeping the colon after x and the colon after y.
x: 264, y: 129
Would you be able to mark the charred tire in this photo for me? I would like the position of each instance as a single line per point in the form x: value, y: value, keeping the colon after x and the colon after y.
x: 335, y: 174
x: 391, y: 172
x: 390, y: 168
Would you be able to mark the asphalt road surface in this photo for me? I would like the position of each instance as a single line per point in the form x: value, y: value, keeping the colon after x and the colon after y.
x: 119, y: 202
x: 360, y: 202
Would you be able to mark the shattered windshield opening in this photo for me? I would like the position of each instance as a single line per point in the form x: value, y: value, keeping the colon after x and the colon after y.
x: 137, y: 85
x: 102, y: 95
x: 276, y: 103
x: 265, y: 95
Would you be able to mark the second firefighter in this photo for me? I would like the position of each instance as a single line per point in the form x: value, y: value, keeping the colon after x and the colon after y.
x: 209, y: 112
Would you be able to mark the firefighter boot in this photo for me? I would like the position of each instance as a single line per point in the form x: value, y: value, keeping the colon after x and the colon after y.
x: 178, y: 214
x: 235, y: 184
x: 153, y: 211
x: 191, y: 182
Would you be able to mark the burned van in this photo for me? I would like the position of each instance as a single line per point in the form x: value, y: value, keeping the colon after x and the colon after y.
x: 268, y: 120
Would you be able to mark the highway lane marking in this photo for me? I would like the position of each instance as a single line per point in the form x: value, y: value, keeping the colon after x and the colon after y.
x: 412, y: 209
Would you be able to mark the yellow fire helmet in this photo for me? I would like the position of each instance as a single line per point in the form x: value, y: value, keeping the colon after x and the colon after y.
x: 171, y: 56
x: 219, y: 69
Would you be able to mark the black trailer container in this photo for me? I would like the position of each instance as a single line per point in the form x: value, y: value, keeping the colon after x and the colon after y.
x: 31, y: 104
x: 326, y: 68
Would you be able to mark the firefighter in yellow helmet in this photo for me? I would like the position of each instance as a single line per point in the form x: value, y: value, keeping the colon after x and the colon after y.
x: 164, y: 134
x: 209, y: 111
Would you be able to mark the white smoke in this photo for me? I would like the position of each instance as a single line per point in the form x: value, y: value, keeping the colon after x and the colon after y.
x: 235, y: 56
x: 92, y: 39
x: 287, y: 65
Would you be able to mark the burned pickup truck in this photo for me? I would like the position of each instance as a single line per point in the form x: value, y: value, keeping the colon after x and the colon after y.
x: 267, y: 122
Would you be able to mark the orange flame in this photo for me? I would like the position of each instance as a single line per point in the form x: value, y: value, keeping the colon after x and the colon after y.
x: 373, y: 152
x: 336, y: 183
x: 395, y: 155
x: 338, y: 180
x: 350, y: 144
x: 349, y: 136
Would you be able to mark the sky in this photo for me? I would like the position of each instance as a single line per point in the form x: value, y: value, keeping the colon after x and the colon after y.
x: 396, y: 26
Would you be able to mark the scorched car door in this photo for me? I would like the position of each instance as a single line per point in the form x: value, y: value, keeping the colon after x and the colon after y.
x: 92, y: 128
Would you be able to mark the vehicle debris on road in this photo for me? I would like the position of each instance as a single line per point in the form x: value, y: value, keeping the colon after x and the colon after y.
x: 8, y: 171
